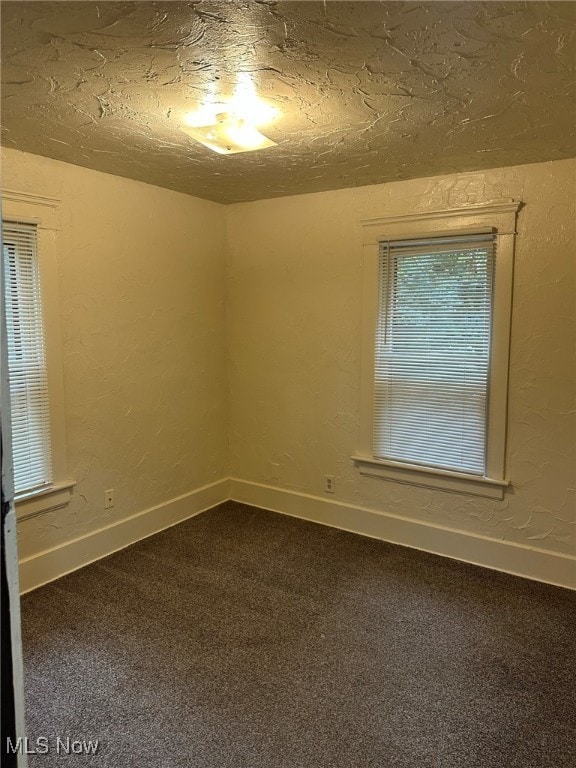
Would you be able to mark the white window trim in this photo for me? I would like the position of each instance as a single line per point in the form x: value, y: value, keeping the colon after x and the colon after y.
x: 43, y: 211
x: 499, y: 217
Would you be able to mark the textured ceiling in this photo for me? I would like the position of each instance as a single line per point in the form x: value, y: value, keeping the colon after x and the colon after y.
x: 369, y: 91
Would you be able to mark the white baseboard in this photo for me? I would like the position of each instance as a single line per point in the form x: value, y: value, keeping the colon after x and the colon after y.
x: 509, y: 557
x: 55, y: 562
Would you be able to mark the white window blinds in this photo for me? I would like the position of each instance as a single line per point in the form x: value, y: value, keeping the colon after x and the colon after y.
x: 433, y: 351
x: 26, y: 358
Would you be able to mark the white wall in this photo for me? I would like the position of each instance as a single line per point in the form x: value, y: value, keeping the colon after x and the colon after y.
x: 141, y: 279
x: 294, y: 323
x: 164, y: 340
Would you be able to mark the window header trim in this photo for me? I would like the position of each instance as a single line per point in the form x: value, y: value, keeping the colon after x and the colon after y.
x: 472, y: 219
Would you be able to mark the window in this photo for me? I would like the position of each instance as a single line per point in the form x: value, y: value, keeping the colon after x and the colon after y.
x: 30, y: 414
x: 33, y: 352
x: 435, y: 357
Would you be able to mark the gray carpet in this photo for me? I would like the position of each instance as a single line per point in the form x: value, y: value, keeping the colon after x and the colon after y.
x: 244, y: 639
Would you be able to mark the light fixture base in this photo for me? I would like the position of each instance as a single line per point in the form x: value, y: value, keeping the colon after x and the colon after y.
x: 229, y: 135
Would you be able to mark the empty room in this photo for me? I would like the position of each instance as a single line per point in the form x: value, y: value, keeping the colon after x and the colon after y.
x: 288, y: 384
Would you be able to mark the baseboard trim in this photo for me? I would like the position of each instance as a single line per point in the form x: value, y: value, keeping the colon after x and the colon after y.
x: 517, y: 559
x: 508, y: 557
x: 53, y: 563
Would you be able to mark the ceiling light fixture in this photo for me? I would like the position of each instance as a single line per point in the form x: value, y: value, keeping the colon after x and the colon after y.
x: 229, y: 127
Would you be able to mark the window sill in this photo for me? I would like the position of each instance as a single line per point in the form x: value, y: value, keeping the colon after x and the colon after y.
x: 36, y: 503
x: 428, y: 477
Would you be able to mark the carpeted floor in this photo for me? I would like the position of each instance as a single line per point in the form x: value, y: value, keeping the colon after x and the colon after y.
x: 245, y: 639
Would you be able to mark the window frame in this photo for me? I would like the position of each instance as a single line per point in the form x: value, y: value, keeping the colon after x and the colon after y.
x: 496, y: 217
x: 43, y: 212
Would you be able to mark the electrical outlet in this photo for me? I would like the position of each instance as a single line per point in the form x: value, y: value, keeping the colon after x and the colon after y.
x: 109, y: 498
x: 329, y: 484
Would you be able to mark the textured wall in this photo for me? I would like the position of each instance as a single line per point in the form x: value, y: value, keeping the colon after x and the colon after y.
x: 143, y: 318
x: 143, y: 324
x: 294, y: 311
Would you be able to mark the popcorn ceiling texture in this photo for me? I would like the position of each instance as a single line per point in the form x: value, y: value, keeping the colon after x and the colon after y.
x: 141, y: 273
x: 370, y: 92
x: 294, y: 325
